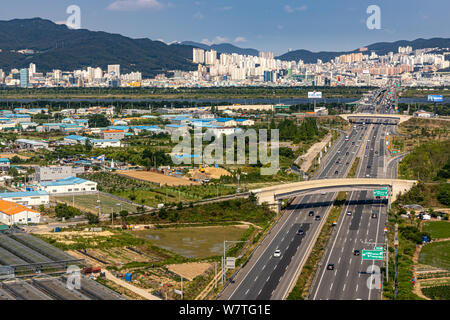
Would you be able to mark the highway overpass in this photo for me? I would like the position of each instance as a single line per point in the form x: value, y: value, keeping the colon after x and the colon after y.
x: 399, y: 117
x: 273, y: 195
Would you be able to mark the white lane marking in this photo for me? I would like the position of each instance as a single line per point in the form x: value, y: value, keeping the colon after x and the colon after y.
x: 331, y: 286
x: 332, y: 248
x: 347, y: 273
x: 246, y: 292
x: 339, y: 260
x: 268, y: 245
x: 263, y: 267
x: 343, y: 289
x: 357, y: 287
x: 256, y: 278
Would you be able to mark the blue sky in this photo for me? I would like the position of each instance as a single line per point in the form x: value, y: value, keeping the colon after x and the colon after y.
x: 272, y: 25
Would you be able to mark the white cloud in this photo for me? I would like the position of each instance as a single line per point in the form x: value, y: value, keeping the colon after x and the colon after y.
x: 198, y: 16
x: 206, y: 41
x: 280, y: 27
x: 134, y: 5
x: 240, y: 40
x: 290, y: 9
x: 216, y: 40
x: 226, y: 8
x: 220, y: 39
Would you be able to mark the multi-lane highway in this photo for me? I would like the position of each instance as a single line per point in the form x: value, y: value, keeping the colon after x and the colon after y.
x: 343, y: 274
x: 268, y: 276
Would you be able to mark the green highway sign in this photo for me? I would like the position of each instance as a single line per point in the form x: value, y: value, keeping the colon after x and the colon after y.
x: 379, y: 248
x: 380, y: 193
x: 372, y: 255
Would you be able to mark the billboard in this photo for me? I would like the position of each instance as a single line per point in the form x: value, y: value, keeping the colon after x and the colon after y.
x: 315, y: 95
x: 435, y: 98
x: 230, y: 263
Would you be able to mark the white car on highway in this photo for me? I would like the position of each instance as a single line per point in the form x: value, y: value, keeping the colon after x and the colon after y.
x: 277, y: 253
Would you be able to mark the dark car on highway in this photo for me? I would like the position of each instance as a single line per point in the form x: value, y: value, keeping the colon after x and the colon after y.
x: 356, y: 252
x: 330, y: 266
x: 311, y: 213
x: 300, y: 232
x: 317, y: 218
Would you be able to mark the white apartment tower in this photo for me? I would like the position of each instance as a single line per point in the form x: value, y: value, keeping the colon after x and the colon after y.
x: 198, y: 56
x: 210, y: 57
x: 114, y: 70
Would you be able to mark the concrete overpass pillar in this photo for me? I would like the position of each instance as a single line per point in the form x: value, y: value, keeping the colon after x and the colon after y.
x: 278, y: 206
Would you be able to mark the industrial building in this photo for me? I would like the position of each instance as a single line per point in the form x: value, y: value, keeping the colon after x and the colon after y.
x: 27, y: 198
x: 68, y: 185
x: 13, y: 213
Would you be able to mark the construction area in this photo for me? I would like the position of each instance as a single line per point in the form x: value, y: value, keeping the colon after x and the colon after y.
x: 32, y: 269
x: 206, y: 173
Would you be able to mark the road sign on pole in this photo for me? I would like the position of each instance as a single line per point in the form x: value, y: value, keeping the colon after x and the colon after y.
x: 380, y: 193
x: 372, y: 254
x: 230, y: 263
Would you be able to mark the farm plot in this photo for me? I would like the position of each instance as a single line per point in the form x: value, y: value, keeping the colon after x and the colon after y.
x: 89, y: 203
x: 193, y: 242
x: 436, y: 254
x: 437, y: 229
x: 158, y: 178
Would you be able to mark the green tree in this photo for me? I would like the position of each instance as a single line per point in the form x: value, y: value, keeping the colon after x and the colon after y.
x: 123, y: 214
x: 92, y: 218
x: 98, y: 121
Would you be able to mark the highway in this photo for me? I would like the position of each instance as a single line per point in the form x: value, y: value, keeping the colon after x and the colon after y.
x: 360, y: 226
x: 267, y: 277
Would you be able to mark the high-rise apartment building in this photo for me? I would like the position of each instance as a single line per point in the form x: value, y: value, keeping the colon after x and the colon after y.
x: 114, y: 70
x: 198, y: 56
x: 210, y: 57
x: 24, y: 78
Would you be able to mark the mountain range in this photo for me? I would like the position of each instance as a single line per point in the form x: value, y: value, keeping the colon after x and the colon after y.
x: 380, y: 48
x: 58, y: 47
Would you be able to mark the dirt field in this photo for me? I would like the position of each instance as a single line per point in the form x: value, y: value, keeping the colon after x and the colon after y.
x: 11, y: 155
x: 159, y: 178
x: 210, y: 172
x: 189, y: 270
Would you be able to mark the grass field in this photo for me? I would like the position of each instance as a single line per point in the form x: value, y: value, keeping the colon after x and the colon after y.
x: 437, y: 229
x: 192, y: 242
x: 89, y: 203
x: 436, y: 254
x: 437, y: 293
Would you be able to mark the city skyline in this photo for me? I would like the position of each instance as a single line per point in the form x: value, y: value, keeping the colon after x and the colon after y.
x: 277, y: 27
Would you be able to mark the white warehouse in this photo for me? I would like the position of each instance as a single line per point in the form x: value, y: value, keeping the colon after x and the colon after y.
x: 28, y: 198
x: 14, y: 213
x: 69, y: 185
